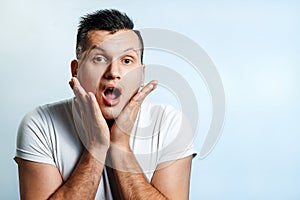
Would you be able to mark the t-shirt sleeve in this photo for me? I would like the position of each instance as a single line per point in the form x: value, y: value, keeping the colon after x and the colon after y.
x: 178, y: 137
x: 33, y: 139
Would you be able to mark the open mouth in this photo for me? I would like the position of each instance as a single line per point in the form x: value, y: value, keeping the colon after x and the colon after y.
x: 111, y: 96
x: 112, y: 93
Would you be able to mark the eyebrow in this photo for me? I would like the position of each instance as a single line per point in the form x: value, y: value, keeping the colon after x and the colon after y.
x: 97, y: 47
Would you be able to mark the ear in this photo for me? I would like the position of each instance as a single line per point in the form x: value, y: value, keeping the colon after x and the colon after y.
x: 74, y: 67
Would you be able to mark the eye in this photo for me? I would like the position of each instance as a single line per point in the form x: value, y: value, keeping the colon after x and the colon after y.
x: 99, y: 59
x: 127, y: 61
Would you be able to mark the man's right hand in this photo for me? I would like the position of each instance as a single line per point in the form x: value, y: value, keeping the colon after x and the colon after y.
x: 96, y: 136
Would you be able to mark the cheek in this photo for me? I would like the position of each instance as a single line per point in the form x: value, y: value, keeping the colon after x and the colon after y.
x: 89, y: 78
x: 132, y: 81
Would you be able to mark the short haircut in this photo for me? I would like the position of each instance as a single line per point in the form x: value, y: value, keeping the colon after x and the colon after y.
x: 108, y: 20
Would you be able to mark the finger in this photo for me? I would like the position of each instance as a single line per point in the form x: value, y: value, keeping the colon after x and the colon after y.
x: 141, y: 95
x: 79, y: 90
x: 77, y: 105
x: 71, y: 83
x: 94, y: 103
x: 127, y: 117
x: 98, y: 114
x: 132, y: 108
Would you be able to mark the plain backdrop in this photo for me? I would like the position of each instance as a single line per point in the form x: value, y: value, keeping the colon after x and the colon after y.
x: 254, y: 45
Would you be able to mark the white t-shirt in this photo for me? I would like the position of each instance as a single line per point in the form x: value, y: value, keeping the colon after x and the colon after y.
x: 49, y: 135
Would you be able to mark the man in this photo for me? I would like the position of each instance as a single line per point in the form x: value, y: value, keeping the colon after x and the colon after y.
x: 104, y: 143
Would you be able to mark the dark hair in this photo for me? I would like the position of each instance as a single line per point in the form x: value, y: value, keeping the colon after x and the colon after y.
x: 109, y: 20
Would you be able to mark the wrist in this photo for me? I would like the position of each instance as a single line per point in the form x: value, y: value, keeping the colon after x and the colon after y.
x: 99, y: 152
x: 120, y: 147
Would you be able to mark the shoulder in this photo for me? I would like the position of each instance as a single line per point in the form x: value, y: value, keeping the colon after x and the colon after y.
x: 159, y: 111
x: 39, y: 122
x: 37, y: 132
x: 176, y: 135
x: 42, y: 114
x: 161, y: 118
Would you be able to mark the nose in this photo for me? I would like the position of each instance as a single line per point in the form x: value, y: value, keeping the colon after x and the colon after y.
x: 113, y: 71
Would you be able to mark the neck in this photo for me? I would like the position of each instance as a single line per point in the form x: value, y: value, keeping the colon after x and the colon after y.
x: 110, y: 123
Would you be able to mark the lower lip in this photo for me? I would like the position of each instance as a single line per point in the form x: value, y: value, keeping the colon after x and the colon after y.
x: 110, y: 102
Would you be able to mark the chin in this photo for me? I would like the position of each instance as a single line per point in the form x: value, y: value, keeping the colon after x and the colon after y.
x: 110, y: 113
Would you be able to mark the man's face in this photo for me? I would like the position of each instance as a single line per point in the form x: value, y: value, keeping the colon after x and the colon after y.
x: 111, y: 68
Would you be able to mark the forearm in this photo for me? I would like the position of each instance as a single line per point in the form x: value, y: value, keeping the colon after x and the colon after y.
x: 131, y: 179
x: 84, y: 180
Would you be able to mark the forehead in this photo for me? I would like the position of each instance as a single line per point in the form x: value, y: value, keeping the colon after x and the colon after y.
x: 113, y: 42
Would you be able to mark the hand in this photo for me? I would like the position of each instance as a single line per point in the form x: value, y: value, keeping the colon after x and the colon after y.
x: 122, y: 127
x: 96, y: 135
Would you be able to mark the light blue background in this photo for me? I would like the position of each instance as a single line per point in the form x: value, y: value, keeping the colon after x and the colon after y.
x: 254, y: 45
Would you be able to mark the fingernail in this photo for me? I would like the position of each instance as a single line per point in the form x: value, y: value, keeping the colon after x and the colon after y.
x: 155, y: 85
x: 71, y: 83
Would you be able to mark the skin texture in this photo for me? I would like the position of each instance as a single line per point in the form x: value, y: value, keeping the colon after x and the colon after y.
x: 111, y: 59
